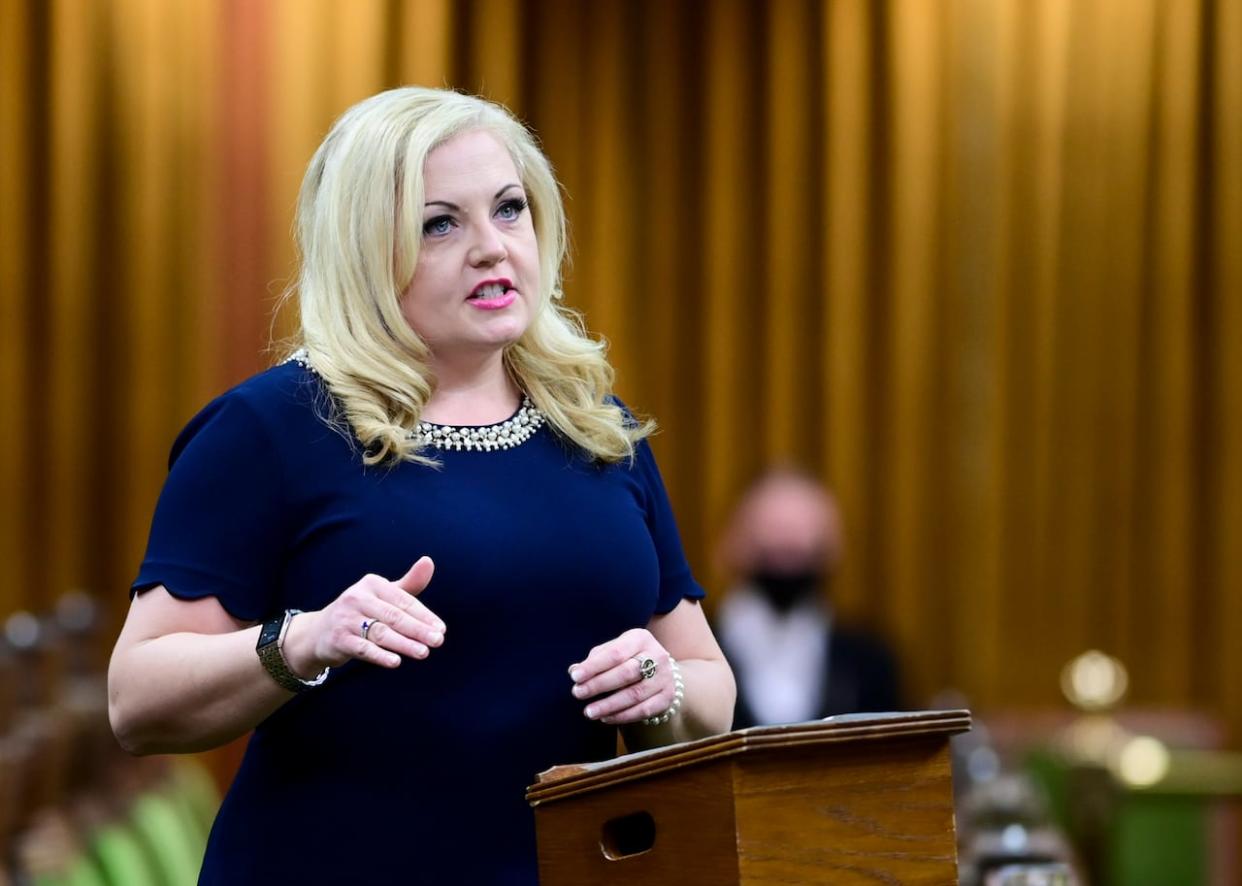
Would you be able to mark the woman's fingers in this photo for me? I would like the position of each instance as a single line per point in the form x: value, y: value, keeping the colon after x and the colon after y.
x: 379, y: 621
x: 385, y: 608
x: 624, y: 705
x: 393, y: 593
x: 395, y: 620
x: 624, y: 674
x: 612, y: 654
x: 418, y: 576
x: 380, y: 634
x: 649, y: 707
x: 612, y: 676
x: 365, y: 650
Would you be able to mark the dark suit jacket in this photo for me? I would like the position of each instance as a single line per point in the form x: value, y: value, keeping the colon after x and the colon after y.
x: 862, y: 678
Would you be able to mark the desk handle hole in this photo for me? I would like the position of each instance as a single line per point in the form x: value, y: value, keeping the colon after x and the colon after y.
x: 627, y: 836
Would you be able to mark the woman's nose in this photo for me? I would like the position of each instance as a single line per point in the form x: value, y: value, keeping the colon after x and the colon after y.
x: 488, y: 248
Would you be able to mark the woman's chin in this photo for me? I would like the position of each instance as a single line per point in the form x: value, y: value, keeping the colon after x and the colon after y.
x: 504, y: 331
x: 495, y: 339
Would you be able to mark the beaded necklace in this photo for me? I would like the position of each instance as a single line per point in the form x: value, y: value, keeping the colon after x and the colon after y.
x: 507, y: 434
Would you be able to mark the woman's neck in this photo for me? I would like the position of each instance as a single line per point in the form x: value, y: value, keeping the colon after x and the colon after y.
x: 478, y: 392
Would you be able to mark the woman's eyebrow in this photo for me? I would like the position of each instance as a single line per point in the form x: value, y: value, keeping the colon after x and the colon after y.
x: 457, y: 208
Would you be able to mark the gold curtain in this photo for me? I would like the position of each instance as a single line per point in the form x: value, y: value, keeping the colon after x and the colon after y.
x: 975, y: 262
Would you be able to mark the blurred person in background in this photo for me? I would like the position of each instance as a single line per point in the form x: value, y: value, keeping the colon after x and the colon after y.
x: 793, y: 658
x: 428, y: 555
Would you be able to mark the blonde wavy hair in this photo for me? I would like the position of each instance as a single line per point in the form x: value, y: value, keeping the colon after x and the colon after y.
x: 359, y: 227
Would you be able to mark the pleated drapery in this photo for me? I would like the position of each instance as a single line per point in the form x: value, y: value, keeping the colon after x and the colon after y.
x: 974, y: 262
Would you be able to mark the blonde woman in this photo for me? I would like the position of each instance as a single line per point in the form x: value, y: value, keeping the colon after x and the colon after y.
x: 426, y: 556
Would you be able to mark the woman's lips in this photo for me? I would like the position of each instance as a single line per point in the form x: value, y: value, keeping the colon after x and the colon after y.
x: 494, y: 304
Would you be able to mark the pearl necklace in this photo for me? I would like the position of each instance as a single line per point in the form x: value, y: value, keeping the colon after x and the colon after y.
x: 506, y: 435
x: 513, y: 432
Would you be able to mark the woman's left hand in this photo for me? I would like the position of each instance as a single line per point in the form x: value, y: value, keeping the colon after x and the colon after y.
x: 611, y: 676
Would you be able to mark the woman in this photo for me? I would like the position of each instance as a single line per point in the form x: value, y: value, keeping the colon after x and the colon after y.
x: 448, y: 544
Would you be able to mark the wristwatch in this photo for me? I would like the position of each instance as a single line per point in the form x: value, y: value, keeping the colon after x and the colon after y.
x: 271, y: 653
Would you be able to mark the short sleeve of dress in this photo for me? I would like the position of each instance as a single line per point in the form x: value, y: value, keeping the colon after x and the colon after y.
x: 676, y: 581
x: 218, y: 529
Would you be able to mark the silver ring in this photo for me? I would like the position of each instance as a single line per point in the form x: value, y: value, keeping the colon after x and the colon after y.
x: 646, y: 666
x: 366, y: 626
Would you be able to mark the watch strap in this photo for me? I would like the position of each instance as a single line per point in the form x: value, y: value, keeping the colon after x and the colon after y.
x: 272, y: 654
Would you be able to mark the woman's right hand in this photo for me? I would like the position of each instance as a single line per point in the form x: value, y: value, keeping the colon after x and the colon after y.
x: 400, y: 625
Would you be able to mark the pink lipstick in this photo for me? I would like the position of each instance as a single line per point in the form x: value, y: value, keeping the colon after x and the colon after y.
x: 496, y: 302
x: 492, y: 295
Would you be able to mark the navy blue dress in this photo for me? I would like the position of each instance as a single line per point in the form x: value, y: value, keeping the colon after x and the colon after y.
x: 418, y: 774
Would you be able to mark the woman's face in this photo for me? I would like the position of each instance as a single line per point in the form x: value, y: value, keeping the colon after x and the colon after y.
x: 477, y: 279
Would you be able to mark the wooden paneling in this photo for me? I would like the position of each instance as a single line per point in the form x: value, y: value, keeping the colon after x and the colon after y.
x: 910, y: 437
x: 494, y: 52
x: 423, y: 34
x: 1222, y: 311
x: 844, y: 340
x: 1171, y: 372
x: 601, y: 288
x: 790, y: 257
x: 690, y: 809
x: 868, y: 814
x: 71, y: 289
x: 730, y: 208
x: 17, y: 211
x: 861, y: 801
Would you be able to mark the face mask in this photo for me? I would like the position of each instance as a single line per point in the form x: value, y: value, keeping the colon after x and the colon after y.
x: 784, y: 590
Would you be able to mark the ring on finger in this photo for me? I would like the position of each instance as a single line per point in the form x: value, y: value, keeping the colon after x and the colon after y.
x: 366, y: 627
x: 646, y: 665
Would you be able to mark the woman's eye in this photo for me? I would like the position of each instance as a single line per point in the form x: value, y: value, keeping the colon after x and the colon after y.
x: 438, y: 226
x: 511, y: 209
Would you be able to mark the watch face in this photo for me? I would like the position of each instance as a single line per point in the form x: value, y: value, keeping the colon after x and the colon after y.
x: 270, y: 632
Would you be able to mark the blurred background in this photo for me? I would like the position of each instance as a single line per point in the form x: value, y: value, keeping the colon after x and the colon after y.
x: 974, y: 264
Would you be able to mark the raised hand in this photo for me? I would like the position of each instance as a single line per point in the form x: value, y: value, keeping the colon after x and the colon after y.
x: 374, y: 620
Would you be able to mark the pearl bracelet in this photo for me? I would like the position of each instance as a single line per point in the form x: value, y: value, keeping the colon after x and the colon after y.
x: 679, y: 692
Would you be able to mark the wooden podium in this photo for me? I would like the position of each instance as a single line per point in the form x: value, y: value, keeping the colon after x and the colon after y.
x: 859, y: 798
